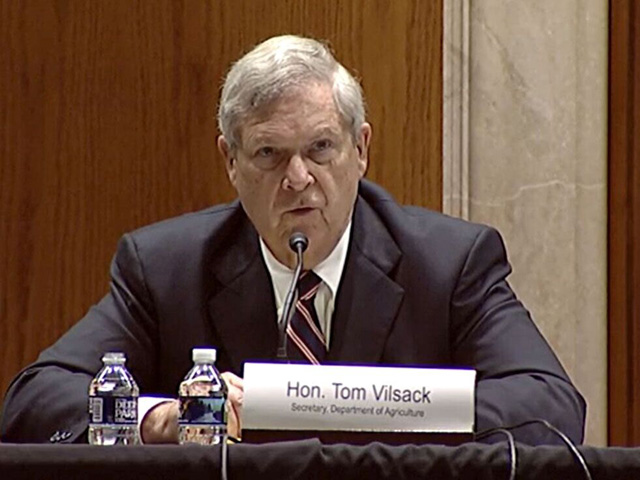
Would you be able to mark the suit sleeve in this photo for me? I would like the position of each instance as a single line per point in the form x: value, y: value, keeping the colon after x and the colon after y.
x: 519, y: 377
x: 47, y: 401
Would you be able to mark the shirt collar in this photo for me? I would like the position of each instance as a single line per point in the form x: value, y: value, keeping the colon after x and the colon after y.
x: 329, y: 270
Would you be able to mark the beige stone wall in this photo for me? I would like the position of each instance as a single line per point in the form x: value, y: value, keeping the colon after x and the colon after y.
x: 525, y: 145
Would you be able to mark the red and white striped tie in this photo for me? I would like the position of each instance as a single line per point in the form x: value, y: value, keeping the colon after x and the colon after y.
x: 305, y: 340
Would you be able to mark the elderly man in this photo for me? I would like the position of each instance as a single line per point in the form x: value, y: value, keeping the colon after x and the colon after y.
x: 397, y: 285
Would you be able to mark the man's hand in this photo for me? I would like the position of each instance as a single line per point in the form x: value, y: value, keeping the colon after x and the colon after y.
x: 235, y: 385
x: 160, y: 424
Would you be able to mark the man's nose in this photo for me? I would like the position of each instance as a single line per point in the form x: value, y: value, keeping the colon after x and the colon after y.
x: 297, y: 176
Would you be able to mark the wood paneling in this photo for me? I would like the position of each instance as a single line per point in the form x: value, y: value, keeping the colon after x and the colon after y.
x: 624, y: 223
x: 107, y: 123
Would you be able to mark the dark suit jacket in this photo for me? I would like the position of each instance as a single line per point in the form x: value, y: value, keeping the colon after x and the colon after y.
x: 419, y: 288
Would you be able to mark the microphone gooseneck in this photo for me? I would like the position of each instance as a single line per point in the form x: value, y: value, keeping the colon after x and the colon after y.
x: 298, y: 242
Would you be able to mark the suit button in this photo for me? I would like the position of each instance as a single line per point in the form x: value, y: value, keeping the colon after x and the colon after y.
x: 65, y: 436
x: 55, y: 438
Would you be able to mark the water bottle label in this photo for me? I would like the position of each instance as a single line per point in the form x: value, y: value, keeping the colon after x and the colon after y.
x: 202, y: 410
x: 122, y: 410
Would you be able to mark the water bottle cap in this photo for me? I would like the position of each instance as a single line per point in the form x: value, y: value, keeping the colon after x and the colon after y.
x: 114, y: 357
x: 204, y: 355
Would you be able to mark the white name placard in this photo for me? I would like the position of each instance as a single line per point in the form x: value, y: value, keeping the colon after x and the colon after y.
x: 347, y: 398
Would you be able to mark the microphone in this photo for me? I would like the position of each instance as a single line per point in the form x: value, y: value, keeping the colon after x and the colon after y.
x: 298, y: 242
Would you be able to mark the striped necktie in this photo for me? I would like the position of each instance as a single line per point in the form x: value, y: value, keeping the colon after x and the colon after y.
x: 305, y: 340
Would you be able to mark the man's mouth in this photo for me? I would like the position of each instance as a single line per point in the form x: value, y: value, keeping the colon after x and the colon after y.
x: 301, y: 210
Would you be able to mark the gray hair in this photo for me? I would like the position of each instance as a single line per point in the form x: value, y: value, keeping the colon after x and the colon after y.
x: 274, y: 67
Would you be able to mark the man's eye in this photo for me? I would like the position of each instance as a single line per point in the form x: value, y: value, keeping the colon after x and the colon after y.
x: 265, y: 152
x: 322, y: 145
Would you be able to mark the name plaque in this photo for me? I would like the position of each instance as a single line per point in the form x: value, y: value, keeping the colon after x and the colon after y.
x: 348, y: 398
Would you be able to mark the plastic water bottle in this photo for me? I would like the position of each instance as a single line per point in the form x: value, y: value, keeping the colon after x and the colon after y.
x: 203, y: 396
x: 113, y: 404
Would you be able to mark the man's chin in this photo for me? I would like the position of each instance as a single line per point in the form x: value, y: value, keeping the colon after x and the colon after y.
x: 303, y: 224
x: 311, y: 236
x: 314, y: 240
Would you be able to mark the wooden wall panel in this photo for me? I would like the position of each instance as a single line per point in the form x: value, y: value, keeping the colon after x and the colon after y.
x: 624, y: 224
x: 107, y: 123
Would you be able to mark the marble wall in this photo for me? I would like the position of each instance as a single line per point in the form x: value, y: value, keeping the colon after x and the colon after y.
x: 525, y: 150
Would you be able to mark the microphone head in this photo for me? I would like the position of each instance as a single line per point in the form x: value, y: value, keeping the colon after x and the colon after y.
x: 298, y: 240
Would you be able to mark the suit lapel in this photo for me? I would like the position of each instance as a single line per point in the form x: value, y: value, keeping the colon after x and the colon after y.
x: 242, y: 306
x: 368, y: 299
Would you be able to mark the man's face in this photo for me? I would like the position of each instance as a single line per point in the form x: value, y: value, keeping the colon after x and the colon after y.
x: 297, y: 170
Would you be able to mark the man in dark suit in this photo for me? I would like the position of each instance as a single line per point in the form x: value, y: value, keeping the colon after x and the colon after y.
x: 398, y: 285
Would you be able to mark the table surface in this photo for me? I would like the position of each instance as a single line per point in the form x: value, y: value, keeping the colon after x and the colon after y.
x: 312, y: 459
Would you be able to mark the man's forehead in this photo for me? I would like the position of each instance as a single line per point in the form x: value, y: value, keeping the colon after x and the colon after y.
x: 294, y: 115
x: 273, y: 130
x: 298, y: 102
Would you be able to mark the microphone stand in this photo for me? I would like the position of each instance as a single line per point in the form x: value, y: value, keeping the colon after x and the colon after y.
x: 298, y: 242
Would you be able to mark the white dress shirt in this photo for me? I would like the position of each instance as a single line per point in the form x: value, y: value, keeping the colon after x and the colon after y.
x: 329, y: 271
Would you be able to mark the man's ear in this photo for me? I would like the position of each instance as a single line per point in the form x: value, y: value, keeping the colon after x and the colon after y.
x: 362, y: 146
x: 229, y: 159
